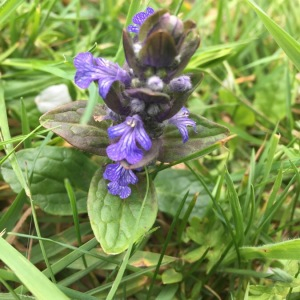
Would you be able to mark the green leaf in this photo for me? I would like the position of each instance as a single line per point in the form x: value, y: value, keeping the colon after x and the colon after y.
x: 171, y: 276
x: 170, y: 192
x: 288, y: 44
x: 113, y: 219
x: 39, y: 285
x: 270, y: 97
x: 65, y: 121
x: 284, y: 250
x: 208, y: 133
x: 51, y: 165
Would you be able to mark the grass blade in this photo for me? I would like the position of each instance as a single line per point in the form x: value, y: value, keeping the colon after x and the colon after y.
x: 7, y: 8
x: 285, y: 41
x: 236, y: 209
x: 33, y: 279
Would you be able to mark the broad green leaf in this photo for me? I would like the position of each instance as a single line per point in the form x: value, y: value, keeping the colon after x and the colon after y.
x: 195, y: 254
x: 170, y: 192
x: 168, y: 292
x: 208, y: 133
x: 288, y: 44
x: 38, y: 284
x: 285, y: 250
x: 170, y: 276
x: 270, y: 97
x: 113, y: 219
x: 65, y: 121
x: 52, y: 166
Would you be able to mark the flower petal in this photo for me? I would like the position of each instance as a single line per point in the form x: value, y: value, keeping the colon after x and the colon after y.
x: 181, y: 121
x: 139, y: 18
x: 142, y: 138
x: 118, y: 130
x: 120, y: 179
x: 105, y: 72
x: 131, y: 132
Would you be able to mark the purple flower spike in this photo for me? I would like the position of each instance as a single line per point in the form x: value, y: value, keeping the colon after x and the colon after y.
x: 130, y: 132
x: 181, y: 121
x: 105, y: 72
x: 120, y: 179
x: 138, y: 19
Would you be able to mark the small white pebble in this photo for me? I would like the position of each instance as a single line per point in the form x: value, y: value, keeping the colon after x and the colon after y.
x: 52, y: 97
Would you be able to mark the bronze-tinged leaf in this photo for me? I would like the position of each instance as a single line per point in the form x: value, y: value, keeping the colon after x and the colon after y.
x: 150, y: 22
x: 208, y: 133
x: 148, y: 95
x: 159, y: 50
x: 186, y: 48
x: 130, y: 55
x: 65, y: 121
x: 115, y: 100
x: 189, y: 24
x: 179, y: 98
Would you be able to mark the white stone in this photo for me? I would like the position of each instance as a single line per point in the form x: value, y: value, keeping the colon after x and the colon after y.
x: 52, y: 97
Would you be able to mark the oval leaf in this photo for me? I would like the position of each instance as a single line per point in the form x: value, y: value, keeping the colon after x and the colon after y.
x: 170, y: 192
x: 65, y: 121
x: 51, y: 166
x: 113, y: 220
x: 208, y: 133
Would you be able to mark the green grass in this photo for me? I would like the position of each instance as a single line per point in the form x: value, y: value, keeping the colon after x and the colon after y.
x: 228, y: 223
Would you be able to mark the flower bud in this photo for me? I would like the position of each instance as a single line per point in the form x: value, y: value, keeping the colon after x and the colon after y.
x: 155, y: 83
x: 153, y: 110
x: 172, y: 25
x: 180, y: 84
x: 137, y: 105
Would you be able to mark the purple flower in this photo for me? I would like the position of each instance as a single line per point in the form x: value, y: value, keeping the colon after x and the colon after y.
x: 181, y: 121
x: 130, y: 132
x: 120, y: 179
x: 138, y: 19
x: 105, y: 72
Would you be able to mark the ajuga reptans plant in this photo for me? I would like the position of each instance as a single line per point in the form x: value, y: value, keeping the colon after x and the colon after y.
x: 143, y: 98
x: 143, y: 123
x: 149, y: 92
